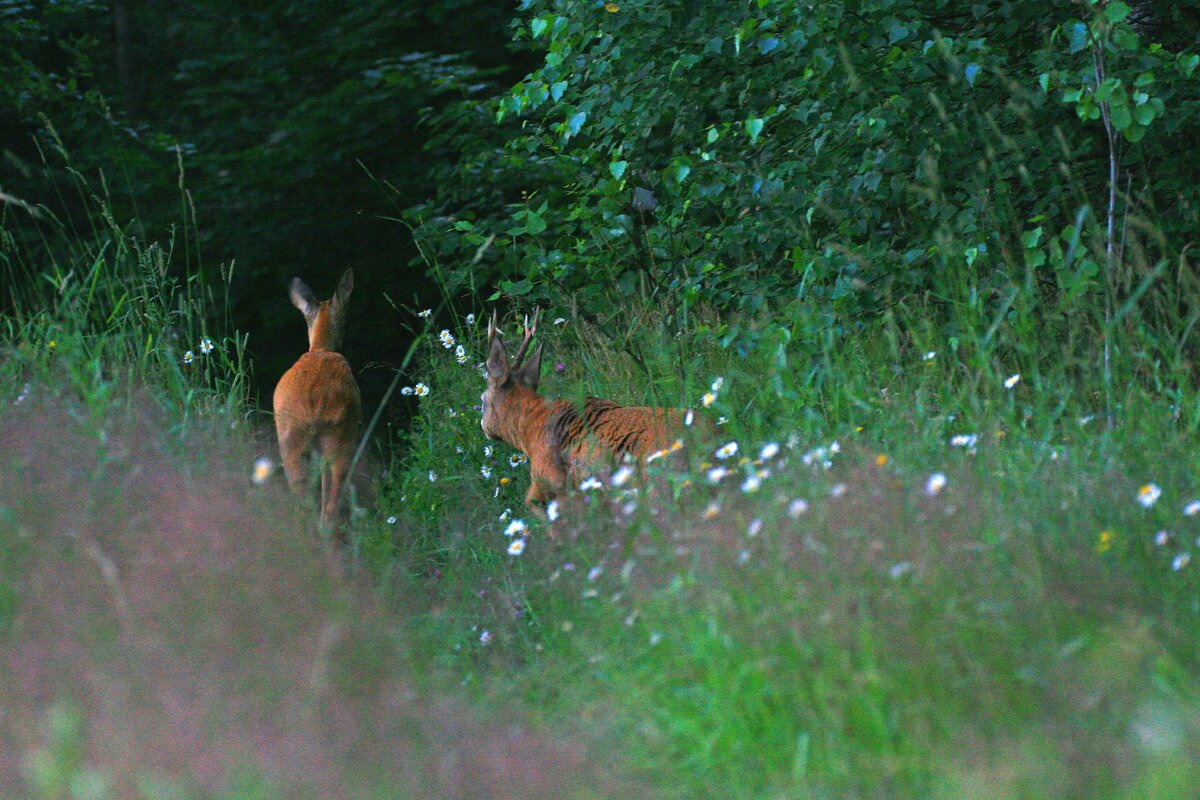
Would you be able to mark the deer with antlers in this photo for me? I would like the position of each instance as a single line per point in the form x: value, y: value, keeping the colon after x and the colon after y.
x: 317, y: 405
x: 565, y: 441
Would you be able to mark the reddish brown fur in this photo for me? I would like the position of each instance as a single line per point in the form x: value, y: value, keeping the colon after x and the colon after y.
x: 565, y: 441
x: 317, y: 405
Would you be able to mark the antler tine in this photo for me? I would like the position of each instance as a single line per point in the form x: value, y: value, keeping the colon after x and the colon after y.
x: 492, y: 327
x: 529, y: 332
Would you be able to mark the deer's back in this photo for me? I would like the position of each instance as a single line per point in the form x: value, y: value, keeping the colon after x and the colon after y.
x: 601, y: 430
x: 319, y: 391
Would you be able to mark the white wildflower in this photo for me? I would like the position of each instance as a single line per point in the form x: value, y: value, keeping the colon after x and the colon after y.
x: 1192, y: 508
x: 188, y: 357
x: 1148, y: 495
x: 516, y: 547
x: 1180, y: 561
x: 797, y: 507
x: 515, y: 527
x: 899, y: 570
x: 460, y: 354
x: 1012, y: 380
x: 425, y: 314
x: 932, y: 354
x: 935, y: 484
x: 718, y: 474
x: 595, y: 572
x: 621, y: 476
x: 485, y: 637
x: 1161, y: 538
x: 407, y: 390
x: 589, y: 484
x: 689, y: 417
x: 560, y: 320
x: 708, y: 399
x: 420, y: 390
x: 263, y: 469
x: 206, y: 346
x: 470, y: 319
x: 726, y: 450
x: 837, y: 490
x: 964, y: 440
x: 755, y: 527
x: 552, y: 510
x: 752, y: 484
x: 433, y: 476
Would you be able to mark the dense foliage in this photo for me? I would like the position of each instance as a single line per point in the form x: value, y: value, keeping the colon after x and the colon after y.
x: 855, y: 154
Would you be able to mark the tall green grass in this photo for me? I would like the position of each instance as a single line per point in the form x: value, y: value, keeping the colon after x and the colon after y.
x: 1024, y: 624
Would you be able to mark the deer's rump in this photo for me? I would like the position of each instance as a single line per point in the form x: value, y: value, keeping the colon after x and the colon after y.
x: 318, y: 392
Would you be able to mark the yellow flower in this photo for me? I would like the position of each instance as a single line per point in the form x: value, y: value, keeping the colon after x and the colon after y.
x: 612, y: 8
x: 53, y: 344
x: 1105, y: 540
x: 504, y: 481
x: 881, y: 460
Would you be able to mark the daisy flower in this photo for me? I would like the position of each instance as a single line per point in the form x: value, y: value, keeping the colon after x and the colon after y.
x: 206, y: 346
x: 485, y: 471
x: 797, y: 507
x: 446, y: 338
x: 935, y: 484
x: 712, y: 509
x: 425, y: 314
x: 406, y: 391
x: 621, y: 476
x: 420, y: 390
x: 689, y: 417
x: 1148, y: 495
x: 560, y: 321
x: 769, y: 451
x: 718, y: 474
x: 1192, y: 509
x: 470, y: 319
x: 752, y: 484
x: 433, y: 476
x: 589, y: 484
x: 515, y: 527
x: 708, y: 399
x: 755, y: 527
x: 726, y: 450
x: 552, y: 510
x: 516, y: 547
x: 717, y: 384
x: 188, y: 357
x: 485, y: 637
x: 460, y: 354
x: 1180, y: 561
x: 263, y: 467
x: 932, y: 354
x: 964, y: 440
x: 1012, y: 380
x: 1161, y: 538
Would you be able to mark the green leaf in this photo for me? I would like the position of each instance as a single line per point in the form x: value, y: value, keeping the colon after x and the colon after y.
x: 1031, y: 238
x: 1077, y: 36
x: 754, y: 127
x: 681, y: 172
x: 538, y: 26
x: 575, y: 123
x: 617, y: 168
x: 1121, y: 118
x: 712, y: 135
x: 1134, y: 133
x: 1044, y: 82
x: 1188, y: 63
x: 557, y: 89
x: 1144, y: 115
x: 1116, y: 11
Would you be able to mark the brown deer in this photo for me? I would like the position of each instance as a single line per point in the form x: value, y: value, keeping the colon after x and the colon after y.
x: 565, y: 441
x: 317, y: 405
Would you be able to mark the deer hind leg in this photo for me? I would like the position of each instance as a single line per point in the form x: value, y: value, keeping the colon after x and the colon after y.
x: 292, y: 445
x: 337, y: 451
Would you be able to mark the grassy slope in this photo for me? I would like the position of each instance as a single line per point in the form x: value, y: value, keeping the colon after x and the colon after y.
x: 1018, y: 634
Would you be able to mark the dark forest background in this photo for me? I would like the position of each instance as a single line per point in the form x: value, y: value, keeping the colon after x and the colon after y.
x: 294, y: 129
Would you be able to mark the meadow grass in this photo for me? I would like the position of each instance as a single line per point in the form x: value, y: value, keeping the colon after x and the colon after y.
x: 955, y: 578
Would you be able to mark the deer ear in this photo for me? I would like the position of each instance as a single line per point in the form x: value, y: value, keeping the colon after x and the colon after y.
x: 345, y: 287
x: 302, y: 298
x: 530, y: 372
x: 497, y: 361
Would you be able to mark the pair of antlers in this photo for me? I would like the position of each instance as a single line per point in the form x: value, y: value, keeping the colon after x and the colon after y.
x: 530, y: 330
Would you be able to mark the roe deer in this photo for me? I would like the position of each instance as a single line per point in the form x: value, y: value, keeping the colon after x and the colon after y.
x: 317, y: 405
x: 565, y: 441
